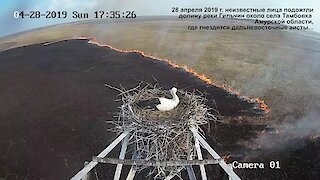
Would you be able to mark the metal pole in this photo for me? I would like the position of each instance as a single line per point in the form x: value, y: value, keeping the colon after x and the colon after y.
x: 124, y: 145
x: 215, y: 155
x: 133, y: 169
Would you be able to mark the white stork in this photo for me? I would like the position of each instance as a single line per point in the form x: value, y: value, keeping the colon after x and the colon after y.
x: 161, y: 103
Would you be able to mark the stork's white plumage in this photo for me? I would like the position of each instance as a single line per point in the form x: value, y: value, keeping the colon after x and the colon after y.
x: 161, y: 103
x: 168, y: 104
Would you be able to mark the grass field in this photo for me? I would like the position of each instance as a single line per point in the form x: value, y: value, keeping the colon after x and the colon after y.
x: 279, y: 67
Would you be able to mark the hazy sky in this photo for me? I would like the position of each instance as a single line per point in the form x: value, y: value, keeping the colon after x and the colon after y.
x: 10, y: 25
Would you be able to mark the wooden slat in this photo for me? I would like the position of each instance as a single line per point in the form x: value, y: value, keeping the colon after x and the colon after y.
x: 191, y: 174
x: 131, y: 173
x: 199, y: 154
x: 87, y: 176
x: 122, y: 155
x: 215, y: 155
x: 154, y: 163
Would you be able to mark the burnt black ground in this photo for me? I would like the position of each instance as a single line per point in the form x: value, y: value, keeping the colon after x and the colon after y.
x: 53, y: 106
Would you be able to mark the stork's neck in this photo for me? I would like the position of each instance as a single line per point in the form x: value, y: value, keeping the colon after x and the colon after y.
x: 175, y: 97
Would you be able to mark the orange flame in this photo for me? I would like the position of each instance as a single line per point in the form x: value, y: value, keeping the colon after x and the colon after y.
x: 262, y: 105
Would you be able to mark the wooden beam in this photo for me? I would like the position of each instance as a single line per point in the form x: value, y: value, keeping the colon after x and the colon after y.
x: 87, y: 176
x: 131, y: 173
x: 230, y: 165
x: 105, y: 152
x: 215, y: 155
x: 191, y: 174
x: 142, y: 162
x: 199, y: 154
x: 122, y: 155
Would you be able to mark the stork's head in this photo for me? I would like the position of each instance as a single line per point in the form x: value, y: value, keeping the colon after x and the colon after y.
x: 173, y: 90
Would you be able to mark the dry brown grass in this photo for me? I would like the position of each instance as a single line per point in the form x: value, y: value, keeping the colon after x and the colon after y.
x: 279, y: 67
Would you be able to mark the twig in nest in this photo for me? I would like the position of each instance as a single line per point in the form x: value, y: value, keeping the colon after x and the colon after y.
x: 161, y: 136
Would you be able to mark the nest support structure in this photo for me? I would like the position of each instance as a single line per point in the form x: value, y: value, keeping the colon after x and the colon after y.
x: 161, y: 143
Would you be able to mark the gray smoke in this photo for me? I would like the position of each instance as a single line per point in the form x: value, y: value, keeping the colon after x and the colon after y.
x: 291, y: 135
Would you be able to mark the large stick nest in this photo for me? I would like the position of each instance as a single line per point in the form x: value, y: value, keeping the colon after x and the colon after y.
x: 161, y: 136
